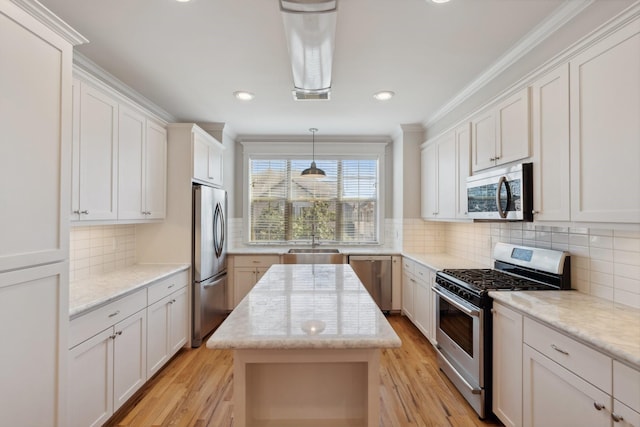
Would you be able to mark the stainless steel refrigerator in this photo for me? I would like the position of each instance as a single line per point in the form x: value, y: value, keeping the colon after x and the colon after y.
x: 209, y: 262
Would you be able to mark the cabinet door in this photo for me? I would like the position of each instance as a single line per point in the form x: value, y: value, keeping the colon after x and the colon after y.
x: 429, y: 178
x: 200, y: 157
x: 512, y: 132
x: 625, y: 416
x: 483, y: 141
x: 550, y: 123
x: 554, y: 396
x: 447, y: 177
x: 421, y: 307
x: 605, y: 130
x: 432, y: 304
x: 408, y: 287
x: 35, y: 136
x: 90, y: 391
x: 158, y: 319
x: 507, y: 365
x: 155, y: 171
x: 179, y: 320
x: 244, y: 278
x: 215, y: 164
x: 98, y: 154
x: 129, y: 357
x: 131, y: 140
x: 463, y: 167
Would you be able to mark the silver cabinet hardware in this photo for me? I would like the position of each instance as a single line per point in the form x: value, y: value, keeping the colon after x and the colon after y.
x: 84, y: 212
x: 76, y: 212
x: 114, y: 314
x: 171, y: 286
x: 119, y: 333
x: 559, y: 350
x: 599, y: 406
x: 615, y: 417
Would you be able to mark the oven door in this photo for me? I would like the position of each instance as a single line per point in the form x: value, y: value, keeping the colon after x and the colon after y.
x: 459, y: 332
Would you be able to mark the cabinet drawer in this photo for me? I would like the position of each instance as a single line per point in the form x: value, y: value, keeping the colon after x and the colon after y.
x: 256, y: 261
x: 408, y: 266
x: 626, y: 385
x: 86, y: 326
x: 587, y: 363
x: 164, y: 287
x: 422, y: 273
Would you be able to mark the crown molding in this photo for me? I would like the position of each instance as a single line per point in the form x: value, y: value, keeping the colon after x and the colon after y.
x: 88, y: 66
x: 48, y: 18
x: 270, y: 139
x: 561, y: 16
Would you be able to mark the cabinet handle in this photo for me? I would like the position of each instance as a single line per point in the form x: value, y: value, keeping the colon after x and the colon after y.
x: 491, y: 159
x: 171, y: 286
x: 84, y: 212
x: 255, y: 262
x: 615, y: 417
x: 535, y: 212
x: 559, y: 350
x: 114, y: 314
x: 119, y: 333
x: 496, y: 158
x: 112, y: 337
x: 76, y: 212
x: 599, y: 406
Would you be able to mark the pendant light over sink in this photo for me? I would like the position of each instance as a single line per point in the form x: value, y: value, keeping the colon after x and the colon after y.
x: 313, y: 171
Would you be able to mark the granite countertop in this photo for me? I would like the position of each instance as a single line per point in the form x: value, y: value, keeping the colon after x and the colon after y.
x: 607, y: 326
x: 280, y: 250
x: 91, y: 293
x: 302, y: 306
x: 441, y: 261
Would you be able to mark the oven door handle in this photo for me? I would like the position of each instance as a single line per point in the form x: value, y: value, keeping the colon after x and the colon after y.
x: 456, y: 304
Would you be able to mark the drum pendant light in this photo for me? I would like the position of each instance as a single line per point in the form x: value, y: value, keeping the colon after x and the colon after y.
x: 313, y: 171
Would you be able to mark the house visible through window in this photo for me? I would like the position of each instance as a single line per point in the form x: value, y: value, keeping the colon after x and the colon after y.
x: 340, y: 208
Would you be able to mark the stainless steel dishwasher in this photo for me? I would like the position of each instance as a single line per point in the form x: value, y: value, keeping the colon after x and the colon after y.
x: 374, y: 271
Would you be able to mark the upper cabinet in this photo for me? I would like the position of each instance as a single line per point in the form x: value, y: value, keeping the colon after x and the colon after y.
x: 95, y: 149
x: 605, y: 129
x: 445, y: 168
x: 207, y: 158
x: 142, y: 167
x: 550, y: 131
x: 119, y: 157
x: 501, y: 134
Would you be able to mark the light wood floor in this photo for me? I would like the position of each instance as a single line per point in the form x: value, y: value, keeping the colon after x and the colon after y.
x: 196, y: 389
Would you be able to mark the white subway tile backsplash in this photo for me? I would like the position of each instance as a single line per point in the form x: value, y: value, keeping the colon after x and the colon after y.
x: 99, y: 249
x: 600, y: 291
x: 605, y: 242
x: 627, y: 284
x: 625, y: 257
x: 627, y: 270
x: 602, y: 254
x: 627, y: 298
x: 626, y: 244
x: 578, y: 240
x: 601, y: 266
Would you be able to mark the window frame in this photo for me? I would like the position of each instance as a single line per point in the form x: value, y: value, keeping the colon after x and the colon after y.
x: 369, y: 149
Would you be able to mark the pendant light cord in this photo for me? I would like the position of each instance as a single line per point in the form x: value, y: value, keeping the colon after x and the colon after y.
x: 313, y: 143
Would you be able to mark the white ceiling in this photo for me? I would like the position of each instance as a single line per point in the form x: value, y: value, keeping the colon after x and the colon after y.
x: 189, y: 58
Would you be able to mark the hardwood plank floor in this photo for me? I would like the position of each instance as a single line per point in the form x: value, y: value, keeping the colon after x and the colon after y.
x: 196, y: 389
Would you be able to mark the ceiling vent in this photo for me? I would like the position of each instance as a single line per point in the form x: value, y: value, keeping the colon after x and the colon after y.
x: 302, y: 95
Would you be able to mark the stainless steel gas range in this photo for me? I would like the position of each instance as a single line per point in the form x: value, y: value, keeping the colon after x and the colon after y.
x: 463, y: 312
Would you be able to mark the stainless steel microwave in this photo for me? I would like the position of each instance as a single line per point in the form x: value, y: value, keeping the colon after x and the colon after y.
x: 502, y: 194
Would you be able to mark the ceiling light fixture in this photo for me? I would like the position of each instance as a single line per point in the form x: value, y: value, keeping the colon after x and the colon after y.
x: 310, y: 27
x: 243, y: 95
x: 440, y: 1
x: 313, y: 171
x: 384, y: 95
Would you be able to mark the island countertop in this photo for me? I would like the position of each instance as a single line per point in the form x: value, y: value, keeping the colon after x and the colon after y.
x: 303, y: 306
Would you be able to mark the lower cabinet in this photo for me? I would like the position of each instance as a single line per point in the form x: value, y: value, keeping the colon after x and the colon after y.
x: 247, y: 271
x: 408, y: 288
x: 418, y: 301
x: 507, y: 365
x: 167, y: 329
x: 542, y: 377
x: 105, y: 370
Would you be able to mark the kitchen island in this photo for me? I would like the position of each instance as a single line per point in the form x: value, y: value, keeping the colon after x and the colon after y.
x: 306, y: 343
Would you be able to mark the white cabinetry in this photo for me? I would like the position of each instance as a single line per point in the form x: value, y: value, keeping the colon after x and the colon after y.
x: 35, y: 147
x: 626, y: 393
x: 142, y: 166
x: 408, y: 287
x: 168, y: 315
x: 95, y: 187
x: 507, y: 365
x: 107, y: 367
x: 207, y: 158
x: 501, y: 134
x: 439, y: 178
x: 605, y: 130
x: 247, y: 271
x: 463, y: 168
x: 550, y: 129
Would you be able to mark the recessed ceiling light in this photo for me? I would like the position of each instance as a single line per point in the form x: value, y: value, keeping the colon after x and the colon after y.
x: 243, y: 95
x: 183, y: 1
x: 383, y: 95
x: 440, y: 1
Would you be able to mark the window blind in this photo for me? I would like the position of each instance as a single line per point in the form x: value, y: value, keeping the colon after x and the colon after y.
x: 286, y: 207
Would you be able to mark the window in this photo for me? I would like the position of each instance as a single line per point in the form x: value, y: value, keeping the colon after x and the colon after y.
x: 343, y: 207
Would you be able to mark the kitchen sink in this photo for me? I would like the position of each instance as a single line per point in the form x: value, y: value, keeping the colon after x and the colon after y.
x: 313, y: 256
x: 314, y: 251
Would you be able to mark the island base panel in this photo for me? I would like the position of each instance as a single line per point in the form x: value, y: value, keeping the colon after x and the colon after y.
x: 320, y: 387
